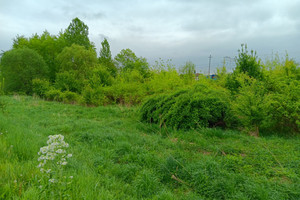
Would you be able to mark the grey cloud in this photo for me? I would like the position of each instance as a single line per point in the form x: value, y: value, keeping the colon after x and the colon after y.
x: 178, y: 29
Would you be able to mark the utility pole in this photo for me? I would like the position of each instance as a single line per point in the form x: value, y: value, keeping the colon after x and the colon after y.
x: 209, y: 65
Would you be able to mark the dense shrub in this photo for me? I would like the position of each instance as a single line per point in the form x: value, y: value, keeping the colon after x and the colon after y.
x: 94, y: 96
x: 69, y: 97
x: 40, y: 87
x: 203, y: 106
x: 53, y: 94
x: 19, y: 67
x: 100, y: 76
x: 77, y: 58
x: 164, y: 81
x: 270, y: 104
x: 69, y: 81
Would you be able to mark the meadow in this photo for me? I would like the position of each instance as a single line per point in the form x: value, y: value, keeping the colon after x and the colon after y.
x: 115, y: 156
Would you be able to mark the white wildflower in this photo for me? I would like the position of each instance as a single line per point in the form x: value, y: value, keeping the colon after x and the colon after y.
x: 64, y: 163
x: 53, y: 153
x: 52, y: 180
x: 71, y: 177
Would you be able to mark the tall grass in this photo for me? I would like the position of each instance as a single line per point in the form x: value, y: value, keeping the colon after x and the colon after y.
x: 117, y: 157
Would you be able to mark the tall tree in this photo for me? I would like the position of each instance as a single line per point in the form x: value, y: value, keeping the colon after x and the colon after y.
x: 77, y: 33
x: 105, y: 54
x: 127, y: 60
x: 77, y: 59
x: 105, y: 58
x: 48, y: 46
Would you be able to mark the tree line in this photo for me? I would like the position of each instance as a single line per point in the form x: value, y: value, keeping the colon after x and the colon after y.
x: 65, y: 67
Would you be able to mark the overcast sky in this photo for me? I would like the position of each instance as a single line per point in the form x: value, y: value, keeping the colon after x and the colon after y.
x: 181, y: 30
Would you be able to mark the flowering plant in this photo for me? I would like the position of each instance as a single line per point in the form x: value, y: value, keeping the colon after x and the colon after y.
x: 52, y: 159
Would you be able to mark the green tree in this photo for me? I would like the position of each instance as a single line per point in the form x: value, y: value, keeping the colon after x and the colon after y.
x: 77, y: 58
x: 127, y: 60
x: 189, y: 68
x: 248, y: 63
x: 19, y: 67
x: 48, y: 46
x: 105, y: 58
x: 77, y: 33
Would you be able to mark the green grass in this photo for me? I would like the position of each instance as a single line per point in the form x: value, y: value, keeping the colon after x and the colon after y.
x: 117, y: 157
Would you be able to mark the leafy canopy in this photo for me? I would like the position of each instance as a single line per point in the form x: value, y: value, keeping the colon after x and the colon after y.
x: 105, y: 58
x: 77, y: 33
x: 19, y: 67
x: 248, y: 62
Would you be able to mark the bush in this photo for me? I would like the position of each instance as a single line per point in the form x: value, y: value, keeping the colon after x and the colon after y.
x: 53, y: 94
x: 203, y: 106
x: 40, y: 87
x: 248, y: 106
x: 1, y: 86
x: 19, y: 67
x: 100, y: 76
x: 94, y: 97
x: 69, y: 97
x: 69, y: 81
x: 164, y: 81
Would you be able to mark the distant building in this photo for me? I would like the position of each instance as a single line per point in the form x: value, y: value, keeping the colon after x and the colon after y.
x: 213, y: 76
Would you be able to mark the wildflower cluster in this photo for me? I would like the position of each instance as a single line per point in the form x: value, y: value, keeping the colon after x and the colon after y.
x: 53, y: 156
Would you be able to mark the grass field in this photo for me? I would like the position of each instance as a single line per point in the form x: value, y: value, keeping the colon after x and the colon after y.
x: 114, y: 156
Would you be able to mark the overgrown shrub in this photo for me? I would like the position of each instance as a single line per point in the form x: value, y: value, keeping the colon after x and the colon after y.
x: 19, y: 67
x: 53, y: 94
x: 69, y: 81
x: 69, y: 97
x: 40, y: 87
x: 94, y: 96
x: 248, y: 105
x: 100, y: 76
x: 203, y: 106
x: 1, y: 86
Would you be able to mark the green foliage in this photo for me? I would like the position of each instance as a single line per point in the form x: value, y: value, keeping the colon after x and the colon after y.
x: 126, y: 60
x: 48, y: 46
x: 69, y: 81
x: 54, y: 95
x: 249, y: 105
x: 271, y: 104
x: 146, y: 184
x: 188, y: 72
x: 78, y: 59
x: 94, y: 96
x: 203, y: 106
x: 105, y: 58
x: 100, y: 76
x: 1, y: 85
x: 2, y: 106
x: 69, y: 97
x: 248, y: 63
x: 19, y: 67
x: 188, y: 69
x: 164, y: 81
x: 77, y: 33
x: 282, y: 102
x: 117, y: 157
x: 40, y: 87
